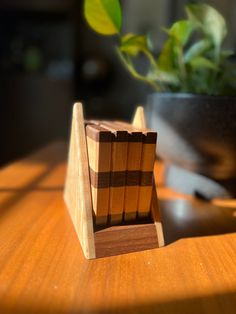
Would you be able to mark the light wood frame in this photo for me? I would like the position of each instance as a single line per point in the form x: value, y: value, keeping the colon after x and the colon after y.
x: 112, y: 240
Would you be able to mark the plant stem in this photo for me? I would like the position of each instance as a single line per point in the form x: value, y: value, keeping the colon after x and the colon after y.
x: 129, y: 65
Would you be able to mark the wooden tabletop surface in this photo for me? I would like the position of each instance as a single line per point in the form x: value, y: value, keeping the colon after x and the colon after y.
x: 42, y: 268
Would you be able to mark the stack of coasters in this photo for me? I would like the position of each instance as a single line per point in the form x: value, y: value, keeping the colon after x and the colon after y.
x: 121, y: 161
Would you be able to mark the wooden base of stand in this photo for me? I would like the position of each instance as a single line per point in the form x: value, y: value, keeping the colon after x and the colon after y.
x: 115, y: 240
x: 112, y: 240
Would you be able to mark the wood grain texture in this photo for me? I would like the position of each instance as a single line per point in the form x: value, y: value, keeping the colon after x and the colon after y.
x: 133, y: 170
x: 99, y: 156
x: 123, y: 239
x: 146, y: 192
x: 79, y: 195
x: 118, y: 166
x: 43, y: 269
x: 147, y: 165
x: 147, y: 161
x: 77, y: 192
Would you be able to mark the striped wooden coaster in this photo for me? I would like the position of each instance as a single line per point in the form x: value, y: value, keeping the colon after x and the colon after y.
x: 118, y: 171
x: 99, y: 141
x: 146, y: 178
x: 134, y: 155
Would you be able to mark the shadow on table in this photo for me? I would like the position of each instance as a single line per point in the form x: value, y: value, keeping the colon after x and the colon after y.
x: 214, y: 304
x: 181, y: 218
x: 186, y: 218
x: 47, y: 159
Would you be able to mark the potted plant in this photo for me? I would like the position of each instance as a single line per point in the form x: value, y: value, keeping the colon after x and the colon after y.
x: 193, y: 107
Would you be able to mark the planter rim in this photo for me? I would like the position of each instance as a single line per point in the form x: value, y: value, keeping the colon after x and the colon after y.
x: 188, y: 95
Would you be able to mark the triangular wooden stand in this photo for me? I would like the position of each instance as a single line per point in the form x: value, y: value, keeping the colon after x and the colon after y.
x: 112, y: 240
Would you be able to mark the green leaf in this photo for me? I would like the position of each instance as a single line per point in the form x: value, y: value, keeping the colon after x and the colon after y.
x: 165, y: 60
x: 104, y: 16
x: 133, y: 44
x: 131, y: 68
x: 197, y: 49
x: 182, y: 30
x: 210, y: 20
x: 226, y: 53
x: 201, y: 62
x: 162, y: 76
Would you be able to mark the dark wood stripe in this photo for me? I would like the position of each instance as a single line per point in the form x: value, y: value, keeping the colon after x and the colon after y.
x: 102, y: 180
x: 118, y: 179
x: 120, y: 136
x: 132, y: 178
x: 150, y: 138
x: 146, y: 178
x: 98, y: 133
x: 133, y: 134
x: 135, y: 137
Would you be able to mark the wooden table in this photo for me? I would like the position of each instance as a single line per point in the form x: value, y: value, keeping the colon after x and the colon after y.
x: 42, y: 268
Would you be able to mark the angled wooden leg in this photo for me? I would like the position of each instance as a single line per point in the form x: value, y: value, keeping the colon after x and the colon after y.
x: 77, y: 192
x: 155, y: 212
x: 139, y: 122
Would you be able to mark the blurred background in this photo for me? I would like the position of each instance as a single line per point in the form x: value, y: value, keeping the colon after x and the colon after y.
x: 50, y: 58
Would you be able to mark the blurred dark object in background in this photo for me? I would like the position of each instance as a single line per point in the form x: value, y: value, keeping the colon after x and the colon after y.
x: 49, y: 59
x: 36, y: 74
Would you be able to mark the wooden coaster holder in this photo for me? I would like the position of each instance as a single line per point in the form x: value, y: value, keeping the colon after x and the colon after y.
x: 110, y: 240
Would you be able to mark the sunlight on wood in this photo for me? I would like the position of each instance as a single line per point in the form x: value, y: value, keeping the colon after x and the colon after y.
x: 43, y: 269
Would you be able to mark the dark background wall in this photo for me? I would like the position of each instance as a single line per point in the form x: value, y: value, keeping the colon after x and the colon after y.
x: 49, y: 58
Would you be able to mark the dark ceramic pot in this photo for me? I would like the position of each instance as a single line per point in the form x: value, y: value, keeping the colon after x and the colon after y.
x: 197, y: 137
